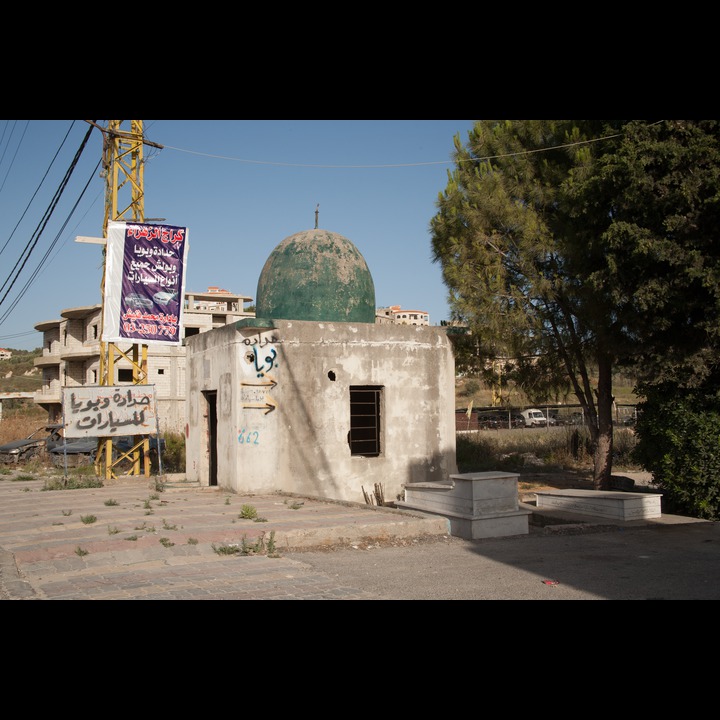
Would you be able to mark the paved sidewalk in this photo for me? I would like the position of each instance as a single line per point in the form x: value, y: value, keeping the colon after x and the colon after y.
x: 128, y: 541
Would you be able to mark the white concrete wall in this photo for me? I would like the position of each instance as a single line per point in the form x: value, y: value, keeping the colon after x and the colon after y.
x: 283, y: 422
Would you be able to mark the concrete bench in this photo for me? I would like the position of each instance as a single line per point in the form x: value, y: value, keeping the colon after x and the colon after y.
x: 602, y: 503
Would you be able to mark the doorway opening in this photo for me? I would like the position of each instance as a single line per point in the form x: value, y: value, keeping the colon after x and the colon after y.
x: 211, y: 403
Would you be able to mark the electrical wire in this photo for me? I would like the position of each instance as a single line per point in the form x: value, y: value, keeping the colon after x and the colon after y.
x: 400, y: 165
x: 12, y: 162
x: 48, y: 252
x: 52, y: 162
x: 46, y: 217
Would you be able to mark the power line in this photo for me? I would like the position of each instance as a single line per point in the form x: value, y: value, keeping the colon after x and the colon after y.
x: 16, y: 152
x: 52, y: 162
x: 399, y: 165
x: 49, y: 250
x: 46, y: 217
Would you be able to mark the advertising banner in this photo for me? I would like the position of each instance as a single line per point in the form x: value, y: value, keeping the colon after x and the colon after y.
x: 144, y: 283
x: 104, y: 411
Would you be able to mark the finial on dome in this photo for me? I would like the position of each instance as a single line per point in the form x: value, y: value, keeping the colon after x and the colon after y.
x: 317, y: 211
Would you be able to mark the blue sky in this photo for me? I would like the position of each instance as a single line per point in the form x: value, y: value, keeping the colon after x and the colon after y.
x: 240, y: 187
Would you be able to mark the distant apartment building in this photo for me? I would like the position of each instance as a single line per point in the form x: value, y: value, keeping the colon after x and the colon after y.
x: 5, y: 354
x: 396, y: 315
x: 71, y: 354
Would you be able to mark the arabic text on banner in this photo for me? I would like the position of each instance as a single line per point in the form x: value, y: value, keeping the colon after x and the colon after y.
x: 144, y: 289
x: 106, y: 411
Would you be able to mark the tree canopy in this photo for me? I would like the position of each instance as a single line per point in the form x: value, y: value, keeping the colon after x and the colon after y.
x: 567, y: 244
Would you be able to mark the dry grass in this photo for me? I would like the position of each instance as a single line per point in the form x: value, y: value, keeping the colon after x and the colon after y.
x: 20, y: 423
x: 532, y: 450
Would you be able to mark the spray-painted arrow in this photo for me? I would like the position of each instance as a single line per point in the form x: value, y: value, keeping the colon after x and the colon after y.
x: 268, y: 407
x: 272, y: 383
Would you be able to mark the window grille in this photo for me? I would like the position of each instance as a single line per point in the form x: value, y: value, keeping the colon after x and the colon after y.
x: 364, y: 435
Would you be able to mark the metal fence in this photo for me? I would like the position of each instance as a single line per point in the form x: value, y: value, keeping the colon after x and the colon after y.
x: 494, y: 418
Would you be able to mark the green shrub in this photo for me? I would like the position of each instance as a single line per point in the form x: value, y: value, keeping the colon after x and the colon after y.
x: 173, y: 459
x: 679, y: 442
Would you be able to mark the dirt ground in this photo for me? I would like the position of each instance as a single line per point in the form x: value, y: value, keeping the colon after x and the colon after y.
x: 537, y: 481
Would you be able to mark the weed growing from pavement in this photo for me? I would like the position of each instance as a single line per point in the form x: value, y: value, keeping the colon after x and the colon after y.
x: 168, y: 527
x: 23, y: 478
x: 132, y: 537
x: 73, y: 483
x: 113, y: 531
x: 225, y: 549
x: 66, y: 513
x: 248, y: 512
x: 111, y: 502
x: 271, y: 548
x: 147, y: 504
x: 192, y: 541
x: 154, y: 496
x: 247, y: 548
x: 88, y: 519
x: 79, y: 551
x: 166, y: 542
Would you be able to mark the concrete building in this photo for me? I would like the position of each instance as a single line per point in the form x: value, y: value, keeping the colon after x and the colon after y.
x: 71, y: 354
x: 395, y: 314
x: 313, y: 396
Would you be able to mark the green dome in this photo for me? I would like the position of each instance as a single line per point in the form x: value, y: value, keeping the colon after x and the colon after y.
x: 316, y: 275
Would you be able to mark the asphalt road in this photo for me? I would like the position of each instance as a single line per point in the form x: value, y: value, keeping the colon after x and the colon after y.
x: 670, y: 562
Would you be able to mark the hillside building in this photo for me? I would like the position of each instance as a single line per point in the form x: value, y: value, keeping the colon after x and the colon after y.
x: 395, y: 314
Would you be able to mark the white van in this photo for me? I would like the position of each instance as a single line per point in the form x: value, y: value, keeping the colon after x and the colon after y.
x: 534, y: 418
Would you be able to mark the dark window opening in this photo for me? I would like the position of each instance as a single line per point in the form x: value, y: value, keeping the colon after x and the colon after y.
x: 189, y: 332
x: 125, y: 375
x: 364, y: 435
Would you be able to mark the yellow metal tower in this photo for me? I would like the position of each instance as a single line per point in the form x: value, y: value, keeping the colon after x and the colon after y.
x: 123, y: 169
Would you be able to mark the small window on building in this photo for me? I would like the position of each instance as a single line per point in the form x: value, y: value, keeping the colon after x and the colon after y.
x: 161, y: 371
x: 93, y: 377
x: 94, y: 332
x: 364, y: 436
x: 125, y: 375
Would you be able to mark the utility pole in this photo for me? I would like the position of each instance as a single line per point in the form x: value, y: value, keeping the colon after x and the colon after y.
x: 123, y: 170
